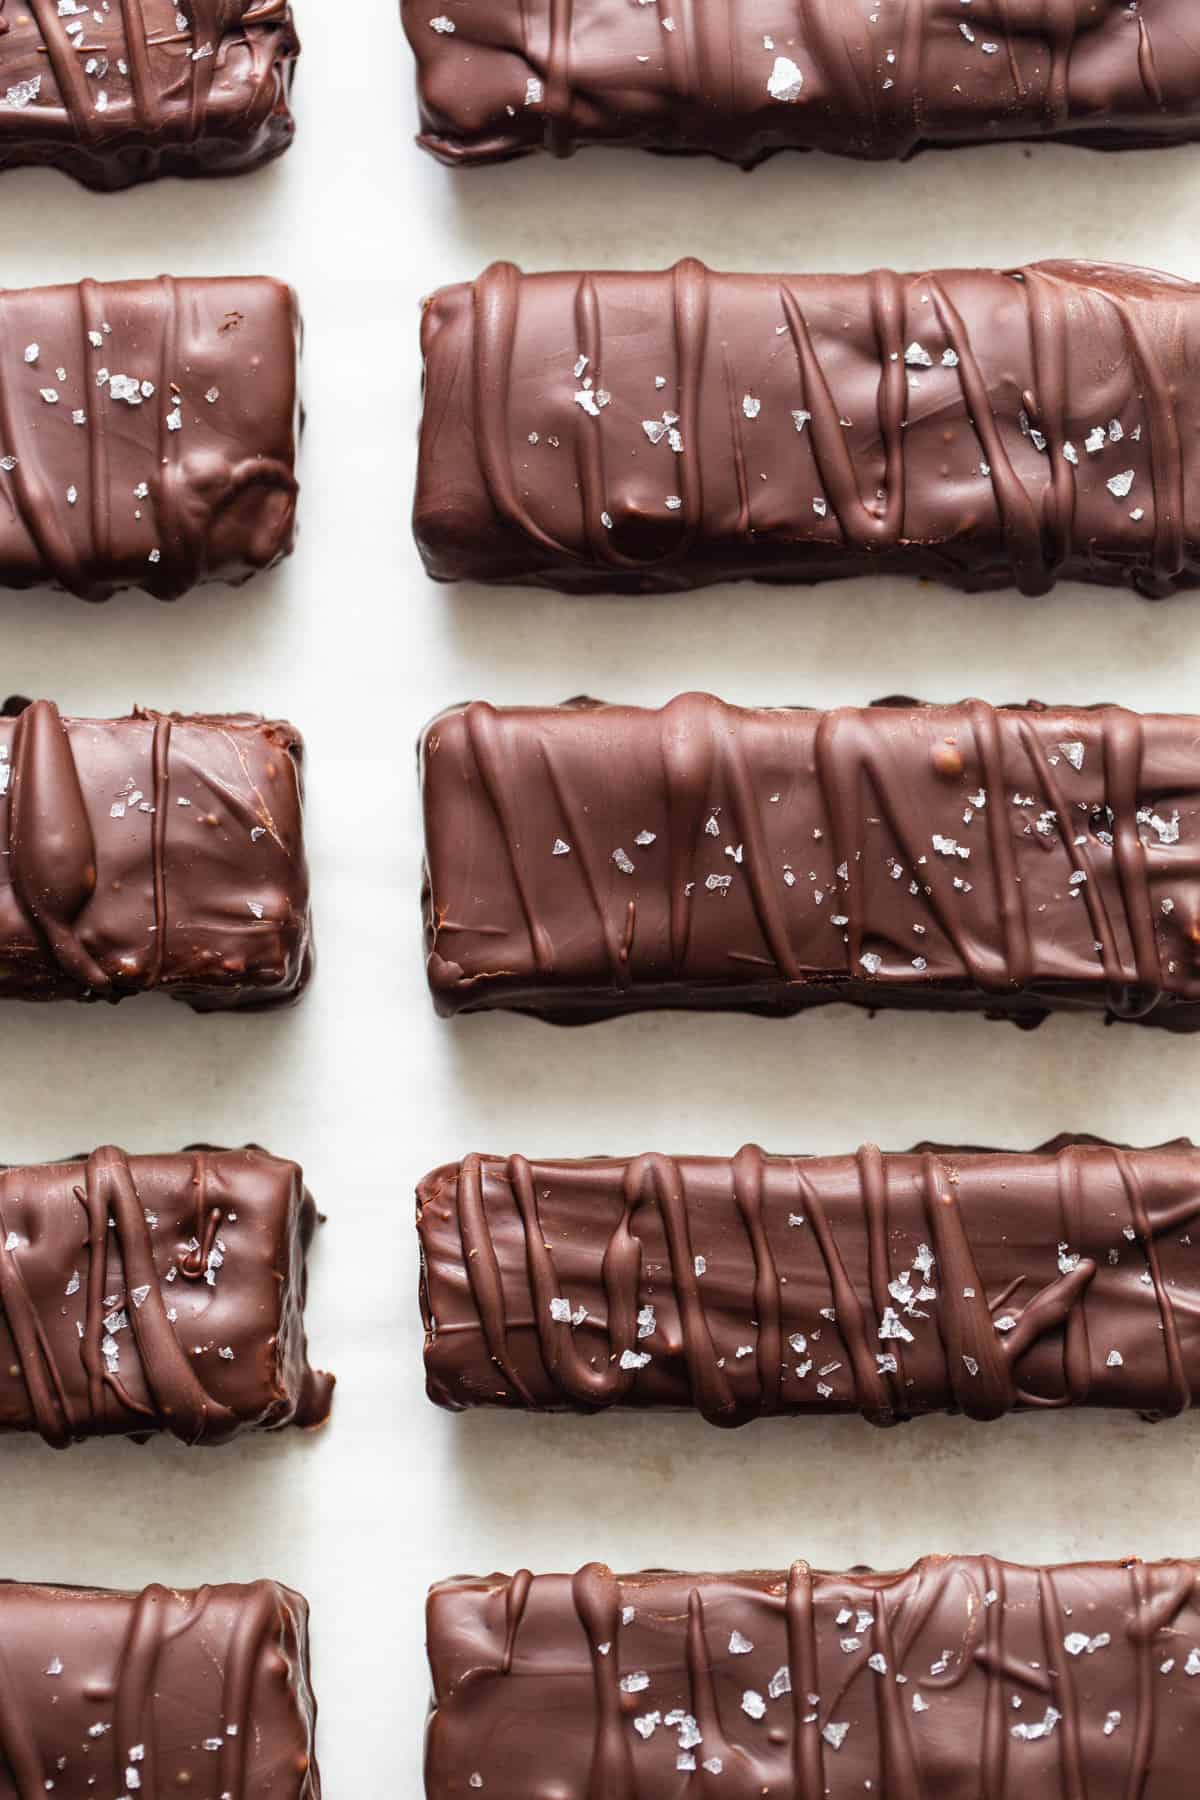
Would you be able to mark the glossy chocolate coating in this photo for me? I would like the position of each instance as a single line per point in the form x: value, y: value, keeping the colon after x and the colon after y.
x: 155, y: 851
x: 143, y: 1294
x: 119, y: 93
x: 741, y: 79
x: 203, y: 1692
x: 147, y: 433
x: 589, y: 860
x: 961, y: 1676
x: 945, y: 1280
x: 650, y: 432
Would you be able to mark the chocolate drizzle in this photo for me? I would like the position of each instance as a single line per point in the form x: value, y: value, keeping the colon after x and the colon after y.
x: 157, y: 851
x: 162, y: 91
x: 597, y: 1603
x: 890, y: 855
x: 127, y: 1663
x: 517, y: 76
x: 962, y: 1673
x: 52, y: 854
x: 804, y: 1675
x: 179, y: 1402
x: 164, y: 455
x: 120, y: 1233
x: 18, y: 1745
x: 981, y: 427
x: 160, y: 755
x: 48, y: 1403
x: 68, y: 72
x: 33, y: 506
x: 978, y: 1282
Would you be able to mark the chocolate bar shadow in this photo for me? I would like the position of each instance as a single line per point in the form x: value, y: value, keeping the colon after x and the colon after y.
x: 150, y: 1075
x: 59, y: 646
x: 42, y: 208
x: 818, y: 213
x: 814, y: 1488
x: 822, y: 1082
x: 253, y: 1498
x: 770, y: 645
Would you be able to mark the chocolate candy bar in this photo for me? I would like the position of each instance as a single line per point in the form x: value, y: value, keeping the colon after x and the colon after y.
x: 499, y: 78
x: 945, y: 1280
x: 147, y: 433
x: 156, y: 1294
x: 589, y: 860
x: 650, y: 432
x: 121, y: 92
x: 156, y: 851
x: 963, y: 1675
x: 167, y: 1691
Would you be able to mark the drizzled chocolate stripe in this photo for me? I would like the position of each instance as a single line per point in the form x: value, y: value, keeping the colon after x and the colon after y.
x: 664, y: 430
x: 147, y: 433
x: 960, y: 1675
x: 588, y: 860
x: 893, y: 1285
x: 106, y: 821
x: 121, y: 93
x: 156, y: 1294
x: 742, y: 79
x: 205, y: 1690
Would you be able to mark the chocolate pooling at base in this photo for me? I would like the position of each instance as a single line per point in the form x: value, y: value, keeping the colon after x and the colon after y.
x: 167, y: 1691
x: 589, y: 860
x: 122, y: 92
x: 155, y: 851
x: 962, y: 1675
x: 151, y: 1294
x: 662, y: 430
x: 147, y: 433
x: 742, y: 79
x: 943, y: 1280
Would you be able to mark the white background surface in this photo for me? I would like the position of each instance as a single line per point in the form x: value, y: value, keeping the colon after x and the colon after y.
x: 367, y: 1089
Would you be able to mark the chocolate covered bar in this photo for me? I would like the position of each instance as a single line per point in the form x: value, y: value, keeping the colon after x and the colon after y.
x: 664, y: 430
x: 944, y: 1280
x: 169, y: 1691
x: 144, y: 1294
x: 155, y: 851
x: 962, y: 1675
x: 590, y: 860
x: 147, y: 433
x: 500, y: 78
x: 120, y: 92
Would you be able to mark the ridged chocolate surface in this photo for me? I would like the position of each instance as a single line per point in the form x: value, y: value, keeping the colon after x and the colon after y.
x: 892, y: 1285
x: 154, y: 851
x: 203, y: 1692
x: 663, y: 430
x: 962, y: 1676
x: 589, y: 860
x: 147, y: 433
x: 120, y: 92
x: 741, y: 79
x: 145, y: 1294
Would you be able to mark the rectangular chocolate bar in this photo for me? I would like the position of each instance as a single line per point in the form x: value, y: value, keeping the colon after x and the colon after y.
x: 120, y: 92
x: 155, y: 851
x: 963, y: 1675
x: 143, y: 1294
x: 202, y: 1692
x: 147, y: 434
x: 742, y: 79
x: 590, y: 860
x: 650, y: 432
x: 944, y: 1280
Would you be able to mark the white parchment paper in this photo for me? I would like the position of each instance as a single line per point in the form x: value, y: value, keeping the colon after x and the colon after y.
x: 367, y: 1089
